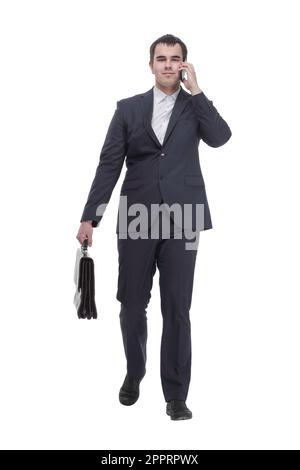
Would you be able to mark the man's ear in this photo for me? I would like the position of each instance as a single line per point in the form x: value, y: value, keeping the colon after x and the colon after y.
x: 150, y: 65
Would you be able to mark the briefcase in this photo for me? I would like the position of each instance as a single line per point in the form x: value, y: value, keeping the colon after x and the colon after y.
x: 84, y: 278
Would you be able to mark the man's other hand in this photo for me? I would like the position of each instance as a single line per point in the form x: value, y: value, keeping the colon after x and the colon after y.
x: 85, y: 231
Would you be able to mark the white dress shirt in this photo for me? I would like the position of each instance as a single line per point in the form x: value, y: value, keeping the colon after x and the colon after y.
x: 162, y: 108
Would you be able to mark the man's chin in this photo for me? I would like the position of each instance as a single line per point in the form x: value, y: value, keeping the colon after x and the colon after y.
x: 169, y: 83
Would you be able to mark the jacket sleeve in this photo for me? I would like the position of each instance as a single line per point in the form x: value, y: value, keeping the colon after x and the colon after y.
x: 212, y: 127
x: 109, y: 168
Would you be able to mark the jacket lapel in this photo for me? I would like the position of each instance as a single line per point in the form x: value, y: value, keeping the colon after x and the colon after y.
x: 147, y: 100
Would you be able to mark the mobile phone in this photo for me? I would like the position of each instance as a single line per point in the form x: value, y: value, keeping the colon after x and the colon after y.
x: 183, y: 75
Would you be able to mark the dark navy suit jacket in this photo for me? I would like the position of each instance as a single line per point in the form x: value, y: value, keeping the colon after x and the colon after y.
x: 169, y: 172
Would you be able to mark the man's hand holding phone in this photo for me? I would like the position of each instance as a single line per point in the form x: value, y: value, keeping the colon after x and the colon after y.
x: 190, y: 79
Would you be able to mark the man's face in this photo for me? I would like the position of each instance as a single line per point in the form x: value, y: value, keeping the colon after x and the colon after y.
x: 167, y: 58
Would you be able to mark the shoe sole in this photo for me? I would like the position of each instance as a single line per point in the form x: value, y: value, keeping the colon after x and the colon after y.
x: 127, y: 404
x: 177, y: 418
x: 127, y: 401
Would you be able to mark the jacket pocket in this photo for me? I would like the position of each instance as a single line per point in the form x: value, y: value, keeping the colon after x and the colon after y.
x: 194, y: 180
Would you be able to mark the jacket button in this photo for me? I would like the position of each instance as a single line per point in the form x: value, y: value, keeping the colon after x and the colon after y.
x: 162, y: 154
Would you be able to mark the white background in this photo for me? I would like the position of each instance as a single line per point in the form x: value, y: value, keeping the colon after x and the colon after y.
x: 64, y: 64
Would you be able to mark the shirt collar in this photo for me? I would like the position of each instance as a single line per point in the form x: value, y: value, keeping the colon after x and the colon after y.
x: 160, y: 95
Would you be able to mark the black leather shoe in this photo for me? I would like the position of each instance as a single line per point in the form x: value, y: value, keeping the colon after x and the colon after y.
x: 177, y: 409
x: 130, y: 390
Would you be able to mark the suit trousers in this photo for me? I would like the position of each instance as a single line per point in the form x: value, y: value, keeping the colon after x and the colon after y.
x: 138, y: 259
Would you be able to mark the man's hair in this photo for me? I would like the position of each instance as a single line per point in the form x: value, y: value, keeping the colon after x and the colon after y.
x: 170, y: 40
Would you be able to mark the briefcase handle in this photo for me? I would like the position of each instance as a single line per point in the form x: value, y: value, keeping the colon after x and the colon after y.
x: 84, y: 247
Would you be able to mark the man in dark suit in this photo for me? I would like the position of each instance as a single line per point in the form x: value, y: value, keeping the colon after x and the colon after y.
x: 158, y: 132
